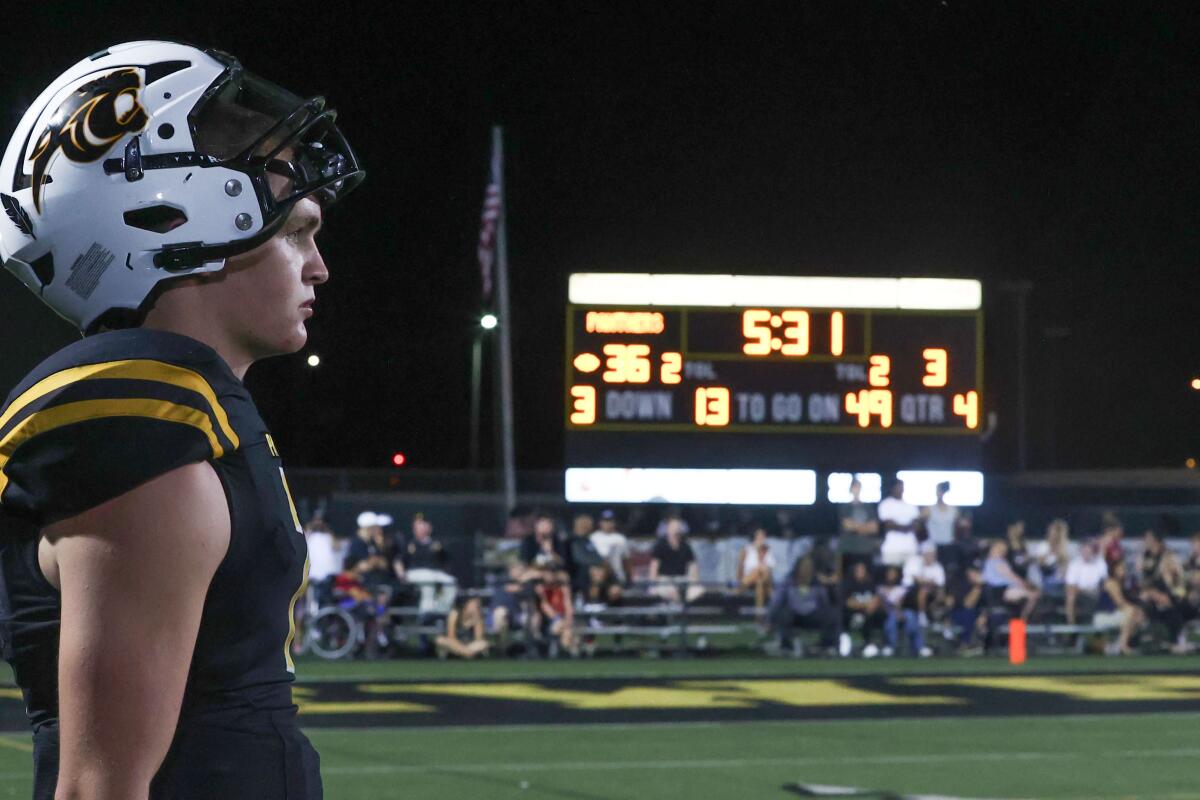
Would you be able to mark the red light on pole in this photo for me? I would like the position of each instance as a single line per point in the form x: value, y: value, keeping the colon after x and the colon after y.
x: 398, y: 460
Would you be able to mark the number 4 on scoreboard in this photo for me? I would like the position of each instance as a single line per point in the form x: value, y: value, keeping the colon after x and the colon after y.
x: 967, y: 407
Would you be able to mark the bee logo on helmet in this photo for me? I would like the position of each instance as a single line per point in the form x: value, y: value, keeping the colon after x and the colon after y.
x: 87, y: 124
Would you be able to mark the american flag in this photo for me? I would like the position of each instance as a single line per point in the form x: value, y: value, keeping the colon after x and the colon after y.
x: 487, y: 228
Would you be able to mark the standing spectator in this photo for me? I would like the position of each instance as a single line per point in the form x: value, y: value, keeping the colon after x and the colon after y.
x: 612, y: 546
x: 674, y: 560
x: 863, y: 609
x: 756, y: 568
x: 1085, y: 577
x: 899, y: 521
x: 800, y: 601
x: 1002, y: 580
x: 464, y: 635
x: 422, y: 563
x: 858, y: 527
x: 326, y: 556
x: 941, y: 518
x: 924, y: 580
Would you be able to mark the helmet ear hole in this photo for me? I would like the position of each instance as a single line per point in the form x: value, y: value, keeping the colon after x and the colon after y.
x: 156, y: 219
x: 43, y: 267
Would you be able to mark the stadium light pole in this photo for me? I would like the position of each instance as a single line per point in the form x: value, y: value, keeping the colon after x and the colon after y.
x: 486, y: 323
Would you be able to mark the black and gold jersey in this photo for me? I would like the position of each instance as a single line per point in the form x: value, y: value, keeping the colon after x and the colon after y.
x: 96, y: 420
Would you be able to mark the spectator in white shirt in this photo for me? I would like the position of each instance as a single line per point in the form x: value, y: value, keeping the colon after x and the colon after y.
x: 924, y: 579
x: 612, y: 545
x: 326, y: 553
x: 899, y: 522
x: 1085, y: 580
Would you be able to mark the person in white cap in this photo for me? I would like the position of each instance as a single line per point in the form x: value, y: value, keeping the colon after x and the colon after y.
x: 370, y: 558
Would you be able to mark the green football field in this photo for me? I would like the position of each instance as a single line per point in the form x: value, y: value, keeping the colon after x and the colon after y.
x: 732, y: 728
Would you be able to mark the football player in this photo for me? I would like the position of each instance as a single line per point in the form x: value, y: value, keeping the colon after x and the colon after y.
x: 163, y: 200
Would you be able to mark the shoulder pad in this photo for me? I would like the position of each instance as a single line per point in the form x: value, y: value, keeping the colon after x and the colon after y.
x: 102, y: 417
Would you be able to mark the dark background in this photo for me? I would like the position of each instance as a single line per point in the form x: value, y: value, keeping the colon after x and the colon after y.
x: 1053, y: 141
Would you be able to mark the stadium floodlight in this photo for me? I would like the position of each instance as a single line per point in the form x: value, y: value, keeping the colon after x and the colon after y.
x: 314, y: 360
x: 488, y: 321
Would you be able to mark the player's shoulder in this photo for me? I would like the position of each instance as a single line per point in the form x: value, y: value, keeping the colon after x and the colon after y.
x: 108, y: 413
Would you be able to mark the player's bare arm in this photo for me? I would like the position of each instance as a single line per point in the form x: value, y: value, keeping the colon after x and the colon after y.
x: 133, y: 574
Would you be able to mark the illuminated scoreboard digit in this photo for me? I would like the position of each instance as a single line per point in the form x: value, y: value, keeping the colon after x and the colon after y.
x: 757, y: 372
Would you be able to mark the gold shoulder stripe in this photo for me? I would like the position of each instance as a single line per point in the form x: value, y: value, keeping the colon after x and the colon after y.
x: 70, y: 413
x: 131, y: 369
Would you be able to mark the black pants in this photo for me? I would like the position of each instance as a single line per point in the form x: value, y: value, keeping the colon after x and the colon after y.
x: 823, y: 619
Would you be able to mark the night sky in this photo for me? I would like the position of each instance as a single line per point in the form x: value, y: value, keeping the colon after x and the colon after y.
x: 1052, y: 142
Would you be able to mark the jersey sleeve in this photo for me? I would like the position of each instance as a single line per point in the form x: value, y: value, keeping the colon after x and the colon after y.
x: 84, y: 435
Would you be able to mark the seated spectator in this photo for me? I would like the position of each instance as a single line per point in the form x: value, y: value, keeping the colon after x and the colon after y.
x: 1118, y: 608
x: 673, y: 563
x: 592, y: 578
x: 423, y: 562
x: 370, y: 554
x: 924, y: 580
x: 1191, y: 572
x: 1018, y: 556
x: 858, y: 527
x: 544, y: 547
x: 673, y: 515
x: 1054, y: 556
x: 800, y: 601
x: 556, y: 612
x: 891, y: 594
x: 756, y: 568
x: 899, y: 522
x: 863, y: 610
x: 1001, y: 579
x: 941, y: 518
x: 613, y: 547
x: 964, y: 593
x: 464, y: 635
x: 1112, y: 534
x: 1163, y: 588
x: 1085, y: 577
x: 369, y: 564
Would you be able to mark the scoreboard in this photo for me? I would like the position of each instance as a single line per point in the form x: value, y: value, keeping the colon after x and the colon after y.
x: 773, y: 373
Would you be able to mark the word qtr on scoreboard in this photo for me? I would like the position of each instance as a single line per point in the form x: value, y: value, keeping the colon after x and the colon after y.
x: 759, y: 354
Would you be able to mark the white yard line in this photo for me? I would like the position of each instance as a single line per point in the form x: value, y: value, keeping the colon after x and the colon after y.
x: 727, y: 763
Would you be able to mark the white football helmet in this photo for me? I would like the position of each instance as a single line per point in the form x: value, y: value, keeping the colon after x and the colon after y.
x: 149, y: 161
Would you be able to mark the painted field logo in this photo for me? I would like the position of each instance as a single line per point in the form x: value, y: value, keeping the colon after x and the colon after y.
x: 86, y: 124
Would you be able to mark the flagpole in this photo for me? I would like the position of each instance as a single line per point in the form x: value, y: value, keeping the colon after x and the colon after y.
x: 504, y: 340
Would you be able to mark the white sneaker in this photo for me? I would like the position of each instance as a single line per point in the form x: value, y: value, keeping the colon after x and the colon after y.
x: 887, y: 651
x: 926, y: 652
x: 844, y: 645
x: 870, y: 651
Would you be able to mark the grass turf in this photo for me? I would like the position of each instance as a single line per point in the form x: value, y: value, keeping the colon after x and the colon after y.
x: 1094, y: 756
